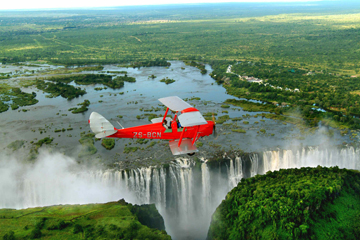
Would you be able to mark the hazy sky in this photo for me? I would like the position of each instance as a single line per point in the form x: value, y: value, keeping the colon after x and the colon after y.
x: 35, y: 4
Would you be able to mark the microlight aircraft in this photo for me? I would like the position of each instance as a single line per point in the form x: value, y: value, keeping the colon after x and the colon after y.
x: 182, y: 137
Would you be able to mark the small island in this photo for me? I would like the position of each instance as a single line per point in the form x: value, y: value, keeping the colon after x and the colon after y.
x: 108, y: 143
x: 81, y: 109
x: 167, y: 80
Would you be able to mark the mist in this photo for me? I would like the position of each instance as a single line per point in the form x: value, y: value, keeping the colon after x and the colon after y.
x: 185, y: 193
x: 50, y: 180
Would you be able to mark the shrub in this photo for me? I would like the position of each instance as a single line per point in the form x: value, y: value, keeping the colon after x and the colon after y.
x: 35, y: 233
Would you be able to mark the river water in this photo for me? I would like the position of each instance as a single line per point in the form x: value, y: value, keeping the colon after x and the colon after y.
x: 186, y: 193
x: 41, y: 120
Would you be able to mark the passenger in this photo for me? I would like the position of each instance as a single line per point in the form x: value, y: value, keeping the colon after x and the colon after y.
x: 178, y: 124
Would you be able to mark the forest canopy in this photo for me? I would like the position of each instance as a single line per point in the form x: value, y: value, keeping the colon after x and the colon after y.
x: 306, y: 203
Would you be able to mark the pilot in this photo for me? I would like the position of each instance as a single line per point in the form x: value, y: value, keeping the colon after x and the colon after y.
x: 178, y: 124
x: 165, y: 124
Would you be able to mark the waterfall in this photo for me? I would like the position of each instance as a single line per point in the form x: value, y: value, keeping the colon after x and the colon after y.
x: 312, y: 157
x: 186, y: 192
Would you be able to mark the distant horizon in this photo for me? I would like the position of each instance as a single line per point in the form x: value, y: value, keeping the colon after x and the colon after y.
x: 106, y: 4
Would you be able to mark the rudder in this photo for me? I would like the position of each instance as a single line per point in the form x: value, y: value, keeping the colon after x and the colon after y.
x: 100, y: 126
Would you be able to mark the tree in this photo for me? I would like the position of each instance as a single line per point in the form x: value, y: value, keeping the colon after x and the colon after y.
x: 9, y: 236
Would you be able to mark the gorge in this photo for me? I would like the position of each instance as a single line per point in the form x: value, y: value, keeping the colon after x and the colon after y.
x: 186, y: 191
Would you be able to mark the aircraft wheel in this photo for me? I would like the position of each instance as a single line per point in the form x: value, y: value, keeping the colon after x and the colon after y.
x: 191, y: 154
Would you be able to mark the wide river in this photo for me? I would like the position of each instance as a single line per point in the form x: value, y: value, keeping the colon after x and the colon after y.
x: 49, y: 114
x: 194, y: 193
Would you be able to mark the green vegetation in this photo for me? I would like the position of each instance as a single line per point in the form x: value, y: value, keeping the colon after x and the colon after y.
x: 46, y: 140
x: 81, y: 109
x: 316, y: 53
x: 238, y: 130
x: 83, y: 79
x: 88, y: 68
x: 246, y: 31
x: 194, y: 98
x: 130, y: 149
x: 148, y: 115
x: 152, y: 143
x: 157, y: 62
x: 222, y: 119
x: 87, y: 79
x: 36, y: 145
x: 142, y: 141
x: 14, y: 97
x: 108, y: 143
x: 114, y: 220
x: 3, y: 107
x: 306, y: 203
x: 199, y: 144
x: 286, y: 119
x: 60, y: 89
x: 124, y: 79
x: 152, y: 109
x: 236, y: 119
x: 251, y: 106
x: 290, y: 90
x: 124, y: 72
x: 167, y: 80
x: 73, y: 69
x: 209, y: 115
x: 197, y: 65
x: 87, y: 145
x: 16, y: 145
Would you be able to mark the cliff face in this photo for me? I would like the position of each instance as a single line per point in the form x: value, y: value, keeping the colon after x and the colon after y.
x: 148, y: 215
x: 113, y: 220
x: 316, y: 203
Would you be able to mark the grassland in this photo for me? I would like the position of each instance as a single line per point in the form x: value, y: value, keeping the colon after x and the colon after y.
x: 313, y: 49
x: 114, y: 220
x: 317, y: 40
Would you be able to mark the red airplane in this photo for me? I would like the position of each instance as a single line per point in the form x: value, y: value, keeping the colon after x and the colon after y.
x: 182, y: 137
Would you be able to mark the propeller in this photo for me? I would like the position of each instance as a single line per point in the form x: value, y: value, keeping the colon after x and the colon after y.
x: 214, y: 128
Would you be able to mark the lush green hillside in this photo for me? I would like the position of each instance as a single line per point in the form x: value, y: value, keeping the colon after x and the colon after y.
x: 306, y: 203
x: 114, y: 220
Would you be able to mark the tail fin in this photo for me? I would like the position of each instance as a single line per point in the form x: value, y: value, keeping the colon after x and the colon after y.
x: 100, y: 126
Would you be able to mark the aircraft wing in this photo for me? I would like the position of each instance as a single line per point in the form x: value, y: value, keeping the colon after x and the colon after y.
x: 190, y: 119
x: 175, y: 103
x: 187, y: 119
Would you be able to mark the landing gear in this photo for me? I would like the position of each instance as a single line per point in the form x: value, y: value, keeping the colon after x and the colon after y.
x: 191, y: 154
